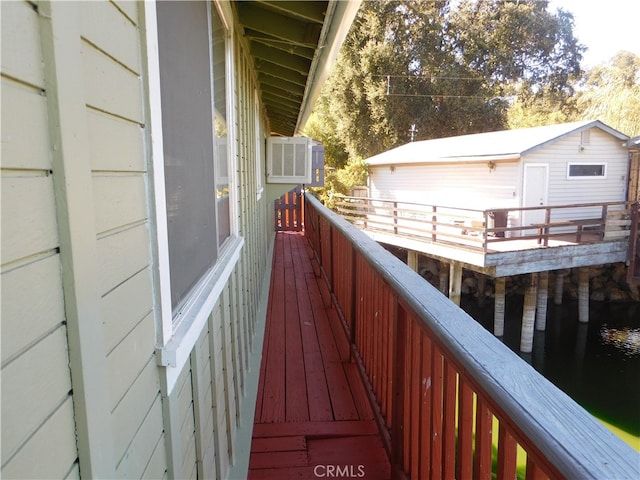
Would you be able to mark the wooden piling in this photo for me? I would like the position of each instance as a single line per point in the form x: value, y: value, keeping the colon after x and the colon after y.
x: 443, y: 275
x: 498, y: 312
x: 559, y: 287
x: 542, y: 297
x: 583, y: 294
x: 455, y: 282
x: 482, y: 283
x: 529, y: 315
x: 413, y: 260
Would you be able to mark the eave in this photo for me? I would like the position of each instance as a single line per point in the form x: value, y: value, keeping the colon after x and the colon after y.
x: 293, y: 46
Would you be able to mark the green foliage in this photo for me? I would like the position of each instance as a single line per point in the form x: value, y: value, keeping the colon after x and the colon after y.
x: 533, y: 110
x: 342, y: 181
x: 611, y: 93
x: 335, y: 155
x: 445, y: 70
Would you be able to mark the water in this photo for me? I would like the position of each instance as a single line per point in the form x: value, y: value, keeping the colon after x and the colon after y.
x: 597, y: 364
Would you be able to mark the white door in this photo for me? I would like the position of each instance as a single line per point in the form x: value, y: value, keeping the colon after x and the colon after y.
x: 536, y: 178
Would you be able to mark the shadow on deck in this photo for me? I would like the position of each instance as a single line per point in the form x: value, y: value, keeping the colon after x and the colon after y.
x: 312, y: 415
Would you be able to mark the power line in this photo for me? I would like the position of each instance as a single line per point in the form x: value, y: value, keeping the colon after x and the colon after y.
x: 443, y: 96
x: 432, y: 77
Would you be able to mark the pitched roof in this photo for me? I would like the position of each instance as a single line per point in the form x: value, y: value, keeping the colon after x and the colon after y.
x: 505, y: 144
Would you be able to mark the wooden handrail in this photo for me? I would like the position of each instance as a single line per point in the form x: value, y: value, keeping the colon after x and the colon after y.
x: 470, y: 228
x: 427, y: 363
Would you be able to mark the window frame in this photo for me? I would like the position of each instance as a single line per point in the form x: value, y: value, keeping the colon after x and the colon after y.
x: 260, y: 146
x: 177, y: 332
x: 587, y: 177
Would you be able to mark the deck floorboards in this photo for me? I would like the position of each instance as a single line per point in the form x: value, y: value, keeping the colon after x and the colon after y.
x: 312, y: 418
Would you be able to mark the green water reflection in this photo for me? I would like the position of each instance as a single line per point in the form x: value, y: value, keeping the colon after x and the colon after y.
x: 597, y: 364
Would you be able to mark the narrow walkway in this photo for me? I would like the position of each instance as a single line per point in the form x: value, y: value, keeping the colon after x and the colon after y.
x: 312, y: 418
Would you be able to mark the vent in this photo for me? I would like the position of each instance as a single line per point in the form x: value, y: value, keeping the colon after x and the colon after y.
x: 289, y: 160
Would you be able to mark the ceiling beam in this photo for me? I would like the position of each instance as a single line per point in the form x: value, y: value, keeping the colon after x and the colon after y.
x: 303, y: 10
x: 280, y: 58
x: 283, y: 103
x: 280, y: 82
x: 305, y: 52
x: 281, y: 92
x: 279, y: 26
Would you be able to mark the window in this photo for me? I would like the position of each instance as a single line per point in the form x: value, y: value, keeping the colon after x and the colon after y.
x: 586, y: 170
x: 192, y: 70
x: 223, y: 206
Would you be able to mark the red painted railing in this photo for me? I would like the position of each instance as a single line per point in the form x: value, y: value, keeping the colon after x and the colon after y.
x: 288, y: 211
x: 441, y: 384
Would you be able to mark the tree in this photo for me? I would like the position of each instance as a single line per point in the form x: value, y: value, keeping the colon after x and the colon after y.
x: 447, y: 71
x: 611, y: 93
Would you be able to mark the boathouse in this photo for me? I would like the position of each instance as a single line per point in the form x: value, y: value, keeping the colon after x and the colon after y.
x: 571, y: 163
x: 525, y: 201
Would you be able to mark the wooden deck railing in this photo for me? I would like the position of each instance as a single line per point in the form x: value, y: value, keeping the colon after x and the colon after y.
x: 452, y: 400
x: 479, y: 229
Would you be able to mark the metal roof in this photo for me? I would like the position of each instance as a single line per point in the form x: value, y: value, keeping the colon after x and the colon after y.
x: 504, y: 144
x: 293, y: 45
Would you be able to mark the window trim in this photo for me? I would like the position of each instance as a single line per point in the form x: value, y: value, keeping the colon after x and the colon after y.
x: 587, y: 177
x: 176, y: 335
x: 260, y: 146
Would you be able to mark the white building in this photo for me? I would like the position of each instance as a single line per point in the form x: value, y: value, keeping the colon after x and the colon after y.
x: 572, y: 163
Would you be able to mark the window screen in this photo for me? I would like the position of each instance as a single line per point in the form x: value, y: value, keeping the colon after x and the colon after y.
x: 220, y: 126
x: 187, y: 118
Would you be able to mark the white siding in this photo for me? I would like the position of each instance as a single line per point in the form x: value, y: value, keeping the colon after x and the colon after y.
x: 467, y: 186
x: 38, y: 430
x: 602, y: 147
x: 475, y: 186
x: 187, y: 433
x: 111, y: 55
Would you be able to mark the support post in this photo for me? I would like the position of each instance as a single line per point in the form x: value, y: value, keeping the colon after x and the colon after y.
x: 413, y: 260
x: 482, y: 283
x: 529, y: 315
x: 455, y: 282
x: 583, y: 294
x: 498, y: 312
x: 557, y: 293
x: 541, y: 307
x: 443, y: 275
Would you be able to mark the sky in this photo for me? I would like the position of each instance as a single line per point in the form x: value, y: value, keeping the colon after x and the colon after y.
x: 604, y: 26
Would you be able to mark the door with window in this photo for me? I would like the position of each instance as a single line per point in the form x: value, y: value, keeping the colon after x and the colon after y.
x: 536, y: 181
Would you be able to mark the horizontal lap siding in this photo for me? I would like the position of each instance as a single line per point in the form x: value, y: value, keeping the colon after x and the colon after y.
x: 602, y: 147
x: 186, y: 422
x: 38, y: 431
x: 111, y: 55
x: 466, y: 186
x: 25, y: 137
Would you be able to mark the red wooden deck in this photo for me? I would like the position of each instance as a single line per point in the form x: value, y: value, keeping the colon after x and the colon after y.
x: 312, y: 418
